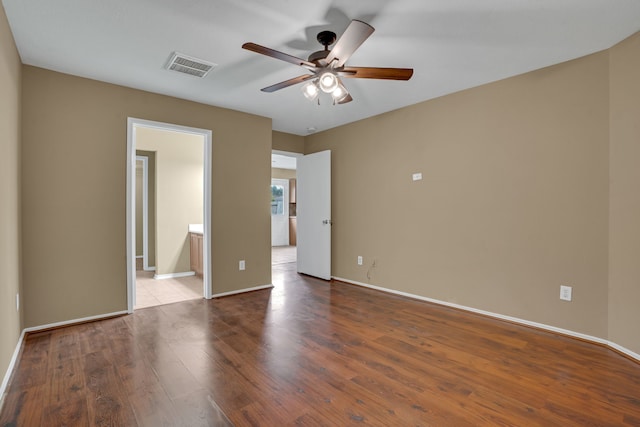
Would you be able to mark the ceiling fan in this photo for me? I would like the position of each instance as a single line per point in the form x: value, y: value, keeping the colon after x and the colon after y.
x: 327, y: 67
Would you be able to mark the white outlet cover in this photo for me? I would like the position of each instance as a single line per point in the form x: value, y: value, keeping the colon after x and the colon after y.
x: 359, y: 260
x: 565, y: 293
x: 241, y: 265
x: 417, y: 176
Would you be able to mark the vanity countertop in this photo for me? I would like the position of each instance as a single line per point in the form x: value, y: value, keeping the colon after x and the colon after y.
x: 196, y: 228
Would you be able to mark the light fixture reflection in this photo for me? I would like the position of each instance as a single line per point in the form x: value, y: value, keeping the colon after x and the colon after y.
x: 328, y: 82
x: 310, y: 90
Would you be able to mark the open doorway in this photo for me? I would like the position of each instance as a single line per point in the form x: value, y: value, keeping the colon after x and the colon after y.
x: 176, y: 213
x: 283, y: 208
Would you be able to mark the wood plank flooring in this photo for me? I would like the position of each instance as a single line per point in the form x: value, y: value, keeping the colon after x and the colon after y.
x: 314, y: 353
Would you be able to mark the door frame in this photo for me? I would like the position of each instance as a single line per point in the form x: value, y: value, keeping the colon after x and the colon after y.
x: 145, y: 213
x: 132, y: 124
x: 292, y: 154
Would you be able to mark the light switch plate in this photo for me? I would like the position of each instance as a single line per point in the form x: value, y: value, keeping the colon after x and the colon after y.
x: 565, y: 293
x: 417, y: 176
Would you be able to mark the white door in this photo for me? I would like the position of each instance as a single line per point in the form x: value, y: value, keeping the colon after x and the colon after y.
x: 313, y: 197
x: 279, y: 212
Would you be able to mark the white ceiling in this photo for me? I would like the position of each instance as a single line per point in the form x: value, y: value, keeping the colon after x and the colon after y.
x: 451, y: 44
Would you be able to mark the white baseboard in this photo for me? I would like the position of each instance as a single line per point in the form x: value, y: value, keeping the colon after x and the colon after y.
x: 241, y: 291
x: 10, y: 368
x: 174, y: 275
x: 621, y: 349
x: 139, y: 256
x: 542, y: 326
x: 14, y: 358
x: 74, y: 321
x: 149, y: 269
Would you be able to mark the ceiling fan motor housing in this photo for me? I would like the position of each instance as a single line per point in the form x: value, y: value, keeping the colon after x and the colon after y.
x: 319, y: 55
x: 326, y: 38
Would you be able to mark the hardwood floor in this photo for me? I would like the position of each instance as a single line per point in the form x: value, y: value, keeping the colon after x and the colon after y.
x: 308, y: 352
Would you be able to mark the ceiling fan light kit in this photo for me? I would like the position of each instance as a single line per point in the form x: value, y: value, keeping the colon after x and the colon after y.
x: 328, y: 82
x: 310, y: 90
x: 327, y: 66
x: 339, y: 93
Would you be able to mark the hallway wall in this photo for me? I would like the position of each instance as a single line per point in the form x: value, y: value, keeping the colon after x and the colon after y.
x: 10, y: 209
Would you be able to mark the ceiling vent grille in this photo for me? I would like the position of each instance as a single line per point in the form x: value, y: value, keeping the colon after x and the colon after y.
x: 189, y: 65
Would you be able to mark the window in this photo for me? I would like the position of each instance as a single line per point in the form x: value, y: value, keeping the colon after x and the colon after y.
x: 277, y: 200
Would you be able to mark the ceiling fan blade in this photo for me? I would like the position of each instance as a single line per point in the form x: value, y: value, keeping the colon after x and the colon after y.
x: 346, y: 99
x: 279, y: 55
x: 376, y: 73
x: 355, y: 34
x: 288, y: 83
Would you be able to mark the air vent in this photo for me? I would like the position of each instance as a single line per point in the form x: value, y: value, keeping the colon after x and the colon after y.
x: 189, y: 65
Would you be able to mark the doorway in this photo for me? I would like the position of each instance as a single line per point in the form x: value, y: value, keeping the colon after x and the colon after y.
x: 283, y: 209
x: 310, y: 193
x: 170, y: 266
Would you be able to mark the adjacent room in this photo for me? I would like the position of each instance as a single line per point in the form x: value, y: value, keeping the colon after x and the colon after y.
x: 283, y: 208
x: 168, y: 216
x: 375, y: 213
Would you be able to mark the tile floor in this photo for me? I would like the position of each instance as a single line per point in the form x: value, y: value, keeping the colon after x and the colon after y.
x: 151, y: 292
x: 283, y: 254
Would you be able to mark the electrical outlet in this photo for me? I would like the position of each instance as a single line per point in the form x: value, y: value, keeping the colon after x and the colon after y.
x: 417, y: 176
x: 241, y: 265
x: 565, y: 293
x: 359, y: 260
x: 18, y: 302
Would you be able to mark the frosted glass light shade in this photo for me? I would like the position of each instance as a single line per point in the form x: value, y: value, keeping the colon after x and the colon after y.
x: 310, y: 91
x: 328, y: 82
x: 339, y: 93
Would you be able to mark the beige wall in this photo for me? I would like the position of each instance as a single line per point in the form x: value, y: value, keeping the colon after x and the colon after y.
x: 179, y: 193
x: 513, y: 204
x: 151, y: 214
x: 288, y: 142
x: 624, y: 216
x: 278, y: 173
x: 10, y: 259
x: 74, y: 170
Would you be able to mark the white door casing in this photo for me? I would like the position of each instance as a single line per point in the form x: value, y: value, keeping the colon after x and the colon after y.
x: 132, y: 124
